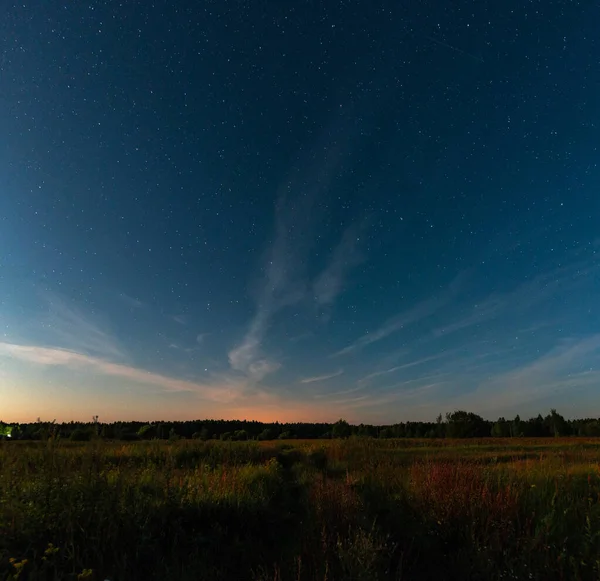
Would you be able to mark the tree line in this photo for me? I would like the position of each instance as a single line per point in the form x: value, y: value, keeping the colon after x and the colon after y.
x: 457, y: 424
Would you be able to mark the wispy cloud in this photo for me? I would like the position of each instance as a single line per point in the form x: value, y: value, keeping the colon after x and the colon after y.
x: 301, y: 337
x: 246, y: 352
x: 508, y: 306
x: 378, y: 399
x: 425, y: 389
x: 298, y: 215
x: 338, y: 393
x: 132, y: 302
x: 68, y: 327
x: 418, y: 312
x: 346, y: 255
x: 524, y: 297
x: 196, y: 346
x: 258, y: 370
x: 322, y: 377
x: 567, y: 366
x: 407, y: 365
x: 223, y: 393
x: 283, y: 283
x: 181, y: 319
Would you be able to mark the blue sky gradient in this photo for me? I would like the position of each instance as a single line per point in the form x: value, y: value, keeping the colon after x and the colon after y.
x: 372, y: 213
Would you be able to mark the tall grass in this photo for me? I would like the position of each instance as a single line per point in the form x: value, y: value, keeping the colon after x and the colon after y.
x: 331, y: 510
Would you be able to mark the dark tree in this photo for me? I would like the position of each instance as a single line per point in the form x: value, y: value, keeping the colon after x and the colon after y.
x: 341, y: 429
x: 463, y: 424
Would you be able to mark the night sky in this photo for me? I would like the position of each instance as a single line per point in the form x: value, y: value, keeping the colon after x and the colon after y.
x: 299, y: 210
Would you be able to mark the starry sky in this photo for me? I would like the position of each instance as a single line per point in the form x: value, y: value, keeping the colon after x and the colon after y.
x: 299, y: 210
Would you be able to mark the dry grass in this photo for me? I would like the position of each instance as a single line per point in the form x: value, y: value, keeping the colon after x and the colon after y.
x: 313, y: 510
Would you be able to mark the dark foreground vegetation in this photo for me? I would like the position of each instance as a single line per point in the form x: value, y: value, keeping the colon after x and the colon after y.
x: 356, y: 509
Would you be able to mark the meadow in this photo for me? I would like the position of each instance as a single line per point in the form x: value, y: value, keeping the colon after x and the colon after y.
x: 326, y: 510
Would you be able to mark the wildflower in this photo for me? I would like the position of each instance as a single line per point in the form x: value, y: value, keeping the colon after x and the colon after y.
x: 51, y: 550
x: 18, y: 565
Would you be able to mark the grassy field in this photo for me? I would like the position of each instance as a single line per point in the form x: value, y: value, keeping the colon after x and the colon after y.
x: 312, y: 510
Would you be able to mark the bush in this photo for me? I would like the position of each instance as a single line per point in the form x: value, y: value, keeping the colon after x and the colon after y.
x: 128, y: 436
x: 80, y: 435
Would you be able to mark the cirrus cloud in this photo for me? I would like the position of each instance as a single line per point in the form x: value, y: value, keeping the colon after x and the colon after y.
x: 222, y: 393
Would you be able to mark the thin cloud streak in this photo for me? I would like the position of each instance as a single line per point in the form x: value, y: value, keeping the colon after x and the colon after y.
x: 198, y: 345
x: 322, y: 377
x: 405, y: 395
x: 523, y: 297
x: 336, y: 393
x: 425, y: 378
x: 347, y: 255
x: 76, y: 361
x: 73, y: 330
x: 565, y: 367
x: 385, y: 399
x: 131, y: 301
x: 418, y: 312
x: 405, y: 366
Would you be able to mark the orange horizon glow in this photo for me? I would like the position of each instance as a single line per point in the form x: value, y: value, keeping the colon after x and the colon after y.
x: 270, y: 413
x: 261, y: 417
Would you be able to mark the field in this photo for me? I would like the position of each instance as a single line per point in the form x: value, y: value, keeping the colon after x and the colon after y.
x: 357, y: 509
